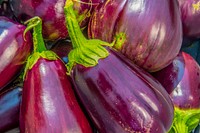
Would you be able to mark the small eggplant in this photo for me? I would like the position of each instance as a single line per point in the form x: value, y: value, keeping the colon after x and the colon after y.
x: 10, y: 101
x: 52, y: 14
x: 118, y: 96
x: 182, y: 81
x: 14, y: 49
x: 152, y: 30
x: 48, y: 101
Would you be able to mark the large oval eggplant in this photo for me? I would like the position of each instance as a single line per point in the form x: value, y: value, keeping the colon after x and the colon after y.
x: 48, y: 104
x: 152, y: 30
x: 52, y: 14
x: 190, y: 13
x: 14, y: 49
x: 118, y: 96
x: 10, y: 108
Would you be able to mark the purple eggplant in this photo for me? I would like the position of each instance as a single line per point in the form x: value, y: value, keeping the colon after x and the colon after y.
x: 190, y: 13
x: 14, y: 49
x: 118, y: 96
x: 52, y: 14
x: 152, y: 30
x: 48, y: 101
x: 10, y: 101
x: 182, y: 81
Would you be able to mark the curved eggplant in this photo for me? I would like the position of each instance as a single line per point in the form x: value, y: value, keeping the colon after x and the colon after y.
x: 52, y: 14
x: 118, y: 96
x: 14, y: 49
x: 152, y: 30
x: 48, y: 101
x: 9, y: 108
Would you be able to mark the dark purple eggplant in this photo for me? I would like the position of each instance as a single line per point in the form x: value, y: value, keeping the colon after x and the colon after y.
x: 14, y: 49
x: 152, y: 30
x: 118, y: 96
x: 190, y: 13
x: 10, y: 101
x: 52, y: 14
x: 182, y: 81
x: 48, y: 101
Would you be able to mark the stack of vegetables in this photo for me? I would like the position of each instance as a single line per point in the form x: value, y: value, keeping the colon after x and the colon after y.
x: 99, y: 66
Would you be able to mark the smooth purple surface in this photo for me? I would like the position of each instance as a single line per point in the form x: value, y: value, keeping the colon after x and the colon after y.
x: 182, y: 81
x: 153, y: 29
x: 171, y: 75
x: 48, y: 101
x: 14, y: 50
x: 9, y: 108
x: 187, y: 93
x: 190, y: 10
x: 52, y: 14
x: 119, y: 97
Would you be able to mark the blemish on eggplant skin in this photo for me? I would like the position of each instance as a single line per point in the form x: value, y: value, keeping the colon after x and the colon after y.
x: 196, y: 7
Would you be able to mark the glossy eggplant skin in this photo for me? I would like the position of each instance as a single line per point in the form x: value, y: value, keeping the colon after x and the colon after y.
x: 190, y: 14
x: 119, y: 97
x: 171, y: 75
x: 52, y: 14
x: 153, y: 30
x: 9, y: 108
x: 184, y: 88
x: 14, y: 49
x: 48, y: 101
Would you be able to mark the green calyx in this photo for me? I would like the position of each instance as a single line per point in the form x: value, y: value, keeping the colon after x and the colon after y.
x: 85, y: 52
x: 39, y: 48
x: 120, y: 40
x: 32, y: 59
x: 185, y: 120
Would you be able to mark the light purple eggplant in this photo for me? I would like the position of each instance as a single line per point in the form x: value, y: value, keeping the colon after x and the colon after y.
x: 48, y: 104
x: 152, y: 30
x: 14, y: 49
x: 118, y: 96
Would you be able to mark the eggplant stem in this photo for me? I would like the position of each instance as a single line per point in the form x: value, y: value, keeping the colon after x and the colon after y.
x: 35, y: 23
x: 185, y: 120
x: 85, y: 52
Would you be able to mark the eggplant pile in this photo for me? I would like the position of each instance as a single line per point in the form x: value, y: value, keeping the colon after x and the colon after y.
x: 99, y: 66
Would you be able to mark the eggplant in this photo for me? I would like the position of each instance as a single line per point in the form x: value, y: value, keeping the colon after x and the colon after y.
x: 118, y: 96
x: 14, y: 49
x: 52, y: 14
x: 190, y: 14
x: 48, y: 101
x: 182, y: 81
x: 152, y: 30
x: 10, y: 101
